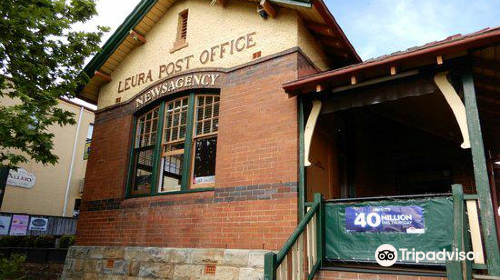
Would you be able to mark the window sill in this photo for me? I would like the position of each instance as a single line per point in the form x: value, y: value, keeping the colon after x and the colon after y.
x: 172, y: 193
x: 179, y: 45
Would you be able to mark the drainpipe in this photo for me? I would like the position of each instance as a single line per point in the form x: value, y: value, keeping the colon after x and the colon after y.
x: 70, y: 174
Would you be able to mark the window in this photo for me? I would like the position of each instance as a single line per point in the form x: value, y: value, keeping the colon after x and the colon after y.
x: 206, y: 127
x: 146, y: 132
x: 183, y: 20
x: 182, y: 28
x: 175, y: 146
x: 88, y: 141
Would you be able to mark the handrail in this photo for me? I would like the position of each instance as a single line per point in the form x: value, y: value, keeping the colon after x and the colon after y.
x: 296, y: 233
x: 301, y: 254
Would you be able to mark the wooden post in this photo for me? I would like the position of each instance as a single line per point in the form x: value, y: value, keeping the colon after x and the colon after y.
x: 481, y: 175
x: 301, y: 186
x: 318, y: 198
x: 188, y: 144
x: 454, y: 268
x: 270, y: 266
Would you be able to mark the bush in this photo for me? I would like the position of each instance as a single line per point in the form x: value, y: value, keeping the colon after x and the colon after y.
x: 66, y: 241
x: 11, y: 241
x: 45, y: 242
x: 27, y: 241
x: 12, y: 268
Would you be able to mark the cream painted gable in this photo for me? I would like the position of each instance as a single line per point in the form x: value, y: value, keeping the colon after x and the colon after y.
x: 237, y: 28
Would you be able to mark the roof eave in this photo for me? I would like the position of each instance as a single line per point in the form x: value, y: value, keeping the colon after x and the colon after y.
x: 466, y: 44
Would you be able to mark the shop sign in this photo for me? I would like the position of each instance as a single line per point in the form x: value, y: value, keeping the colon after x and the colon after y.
x: 207, y: 56
x: 37, y: 223
x: 21, y: 178
x: 19, y: 225
x: 4, y: 225
x: 402, y: 219
x: 177, y: 84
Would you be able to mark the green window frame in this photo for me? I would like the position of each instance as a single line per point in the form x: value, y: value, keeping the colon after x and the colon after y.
x: 171, y: 139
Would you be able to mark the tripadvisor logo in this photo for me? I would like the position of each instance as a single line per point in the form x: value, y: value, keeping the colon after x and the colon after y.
x: 387, y: 255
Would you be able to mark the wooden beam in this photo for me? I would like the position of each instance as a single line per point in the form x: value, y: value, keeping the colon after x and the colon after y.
x: 439, y: 60
x: 309, y: 130
x: 353, y: 80
x: 319, y: 88
x: 319, y: 28
x: 336, y: 51
x: 456, y: 105
x: 268, y: 7
x: 481, y: 175
x: 103, y: 76
x: 137, y: 37
x: 332, y: 43
x: 393, y: 70
x: 487, y: 64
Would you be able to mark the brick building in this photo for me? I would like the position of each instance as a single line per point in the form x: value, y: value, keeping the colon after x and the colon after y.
x: 200, y: 156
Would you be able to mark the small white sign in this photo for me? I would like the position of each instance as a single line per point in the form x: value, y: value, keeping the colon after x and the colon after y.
x: 204, y: 180
x: 37, y: 223
x: 4, y: 225
x: 21, y: 178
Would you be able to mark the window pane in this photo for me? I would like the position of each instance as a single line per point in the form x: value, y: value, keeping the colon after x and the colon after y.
x: 204, y: 161
x: 207, y: 113
x: 175, y: 120
x: 147, y: 125
x: 171, y: 166
x: 143, y: 171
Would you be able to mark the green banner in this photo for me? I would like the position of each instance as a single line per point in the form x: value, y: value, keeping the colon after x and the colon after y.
x: 424, y: 224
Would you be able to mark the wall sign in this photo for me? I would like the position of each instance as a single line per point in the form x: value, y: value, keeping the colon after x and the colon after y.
x: 207, y: 56
x: 180, y: 83
x: 21, y: 178
x: 4, y: 225
x: 403, y: 219
x: 37, y: 223
x: 19, y: 224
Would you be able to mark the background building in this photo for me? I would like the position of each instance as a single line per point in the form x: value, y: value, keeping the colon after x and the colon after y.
x: 47, y: 195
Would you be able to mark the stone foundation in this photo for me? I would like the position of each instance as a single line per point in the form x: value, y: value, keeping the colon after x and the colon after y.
x: 134, y: 263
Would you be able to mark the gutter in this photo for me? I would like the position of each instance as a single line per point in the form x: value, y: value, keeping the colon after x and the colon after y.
x: 70, y: 173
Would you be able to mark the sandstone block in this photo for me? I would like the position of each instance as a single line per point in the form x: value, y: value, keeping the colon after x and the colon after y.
x: 207, y: 256
x: 235, y: 258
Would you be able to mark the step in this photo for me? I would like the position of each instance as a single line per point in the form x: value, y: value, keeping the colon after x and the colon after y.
x: 342, y: 275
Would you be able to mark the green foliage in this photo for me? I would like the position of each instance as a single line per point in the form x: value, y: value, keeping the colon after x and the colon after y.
x: 11, y: 241
x: 12, y: 268
x: 66, y: 241
x: 28, y: 242
x: 41, y: 59
x: 45, y: 242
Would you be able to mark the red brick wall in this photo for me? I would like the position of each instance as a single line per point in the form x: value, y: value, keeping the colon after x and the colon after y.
x: 254, y: 204
x: 337, y: 275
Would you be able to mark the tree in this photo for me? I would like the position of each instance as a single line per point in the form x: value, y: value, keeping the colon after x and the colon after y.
x: 41, y: 58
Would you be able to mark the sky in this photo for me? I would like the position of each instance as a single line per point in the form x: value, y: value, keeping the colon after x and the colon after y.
x: 374, y: 27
